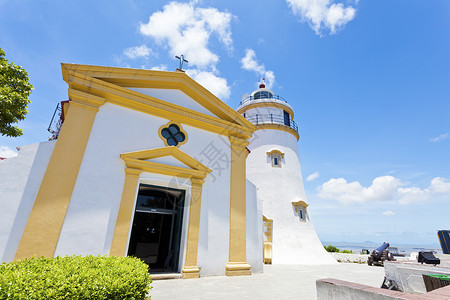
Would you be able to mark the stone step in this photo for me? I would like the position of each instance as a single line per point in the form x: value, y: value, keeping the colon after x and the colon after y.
x: 164, y: 276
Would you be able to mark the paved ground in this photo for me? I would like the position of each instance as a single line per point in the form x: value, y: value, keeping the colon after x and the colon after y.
x: 278, y: 282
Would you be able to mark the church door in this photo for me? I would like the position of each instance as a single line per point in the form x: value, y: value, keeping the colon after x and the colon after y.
x: 156, y: 231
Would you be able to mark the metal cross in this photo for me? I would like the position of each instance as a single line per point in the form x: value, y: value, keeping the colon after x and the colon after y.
x: 181, y: 58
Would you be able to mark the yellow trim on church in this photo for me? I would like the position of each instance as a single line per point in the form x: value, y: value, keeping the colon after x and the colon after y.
x: 111, y: 83
x: 136, y: 162
x: 41, y: 233
x: 237, y: 261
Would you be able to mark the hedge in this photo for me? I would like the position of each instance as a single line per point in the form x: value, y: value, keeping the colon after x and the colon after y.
x: 75, y: 277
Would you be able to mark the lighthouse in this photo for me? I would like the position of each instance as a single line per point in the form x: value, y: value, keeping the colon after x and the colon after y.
x: 273, y: 166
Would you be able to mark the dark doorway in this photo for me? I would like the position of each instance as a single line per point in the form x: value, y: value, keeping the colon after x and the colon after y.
x: 156, y: 232
x: 287, y: 118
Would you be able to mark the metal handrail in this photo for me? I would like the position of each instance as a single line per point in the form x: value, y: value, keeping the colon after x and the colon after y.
x: 250, y: 98
x: 271, y: 119
x: 56, y: 122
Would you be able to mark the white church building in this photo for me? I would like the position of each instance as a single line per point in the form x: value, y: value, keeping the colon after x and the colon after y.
x: 151, y: 164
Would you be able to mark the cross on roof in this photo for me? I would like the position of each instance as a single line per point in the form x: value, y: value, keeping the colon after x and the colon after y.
x: 182, y: 59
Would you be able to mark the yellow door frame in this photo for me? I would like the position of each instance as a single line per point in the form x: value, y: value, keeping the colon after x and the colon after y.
x: 136, y: 163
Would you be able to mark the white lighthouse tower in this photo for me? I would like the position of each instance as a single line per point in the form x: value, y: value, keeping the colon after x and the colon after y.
x: 273, y: 166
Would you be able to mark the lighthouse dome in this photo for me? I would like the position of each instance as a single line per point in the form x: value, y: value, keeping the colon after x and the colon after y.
x: 266, y: 110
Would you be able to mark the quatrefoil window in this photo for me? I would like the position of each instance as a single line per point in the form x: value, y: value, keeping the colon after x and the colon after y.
x: 173, y: 135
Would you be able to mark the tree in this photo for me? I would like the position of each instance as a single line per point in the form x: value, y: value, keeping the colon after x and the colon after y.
x: 15, y: 89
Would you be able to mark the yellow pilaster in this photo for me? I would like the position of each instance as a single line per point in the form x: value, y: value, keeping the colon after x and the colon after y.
x: 237, y: 262
x: 126, y: 210
x: 191, y: 269
x: 47, y: 216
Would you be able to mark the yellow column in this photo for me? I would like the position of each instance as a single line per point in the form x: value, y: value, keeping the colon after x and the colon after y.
x: 237, y: 262
x: 126, y: 211
x: 191, y: 269
x: 47, y: 216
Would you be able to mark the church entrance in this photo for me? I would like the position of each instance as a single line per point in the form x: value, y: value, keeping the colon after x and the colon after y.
x: 156, y: 231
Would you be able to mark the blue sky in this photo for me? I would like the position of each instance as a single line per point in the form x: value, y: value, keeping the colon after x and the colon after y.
x: 369, y: 83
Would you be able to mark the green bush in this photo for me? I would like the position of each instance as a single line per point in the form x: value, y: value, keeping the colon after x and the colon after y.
x: 331, y: 248
x: 346, y: 251
x: 75, y: 277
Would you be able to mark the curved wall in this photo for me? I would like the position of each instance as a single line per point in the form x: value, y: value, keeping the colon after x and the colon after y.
x: 293, y: 241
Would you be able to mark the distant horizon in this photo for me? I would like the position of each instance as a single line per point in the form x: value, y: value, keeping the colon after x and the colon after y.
x: 376, y: 244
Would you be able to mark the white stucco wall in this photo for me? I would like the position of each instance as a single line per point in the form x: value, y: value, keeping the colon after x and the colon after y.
x: 91, y: 216
x: 294, y: 241
x: 174, y: 96
x: 20, y: 179
x: 255, y: 228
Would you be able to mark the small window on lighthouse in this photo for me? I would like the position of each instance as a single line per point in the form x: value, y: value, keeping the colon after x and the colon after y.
x: 276, y: 160
x: 301, y: 213
x: 275, y: 157
x: 300, y: 209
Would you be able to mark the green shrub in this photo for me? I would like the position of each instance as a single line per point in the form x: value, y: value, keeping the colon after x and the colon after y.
x: 331, y: 248
x: 346, y: 251
x: 75, y: 277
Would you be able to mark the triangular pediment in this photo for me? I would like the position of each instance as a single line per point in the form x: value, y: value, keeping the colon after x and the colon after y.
x: 132, y: 88
x: 152, y: 161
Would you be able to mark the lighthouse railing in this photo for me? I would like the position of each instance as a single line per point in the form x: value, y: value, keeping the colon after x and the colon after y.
x: 262, y: 97
x: 271, y: 119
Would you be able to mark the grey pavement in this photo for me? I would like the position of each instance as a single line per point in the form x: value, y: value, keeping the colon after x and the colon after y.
x: 277, y: 282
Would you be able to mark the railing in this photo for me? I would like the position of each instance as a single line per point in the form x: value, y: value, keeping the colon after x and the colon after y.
x: 272, y: 119
x: 55, y: 124
x: 250, y: 98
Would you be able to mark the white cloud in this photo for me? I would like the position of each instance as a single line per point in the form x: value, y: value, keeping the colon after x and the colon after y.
x: 159, y: 68
x: 322, y: 14
x: 216, y: 85
x: 439, y: 138
x: 138, y: 51
x: 249, y: 63
x: 313, y: 176
x: 440, y: 185
x: 388, y: 213
x: 7, y: 152
x: 413, y: 194
x: 186, y: 29
x: 382, y: 188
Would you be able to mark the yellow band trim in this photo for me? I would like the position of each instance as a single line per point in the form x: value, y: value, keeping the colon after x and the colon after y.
x: 237, y: 246
x: 279, y: 127
x: 190, y: 269
x: 47, y: 216
x: 115, y: 94
x: 139, y: 78
x: 126, y: 210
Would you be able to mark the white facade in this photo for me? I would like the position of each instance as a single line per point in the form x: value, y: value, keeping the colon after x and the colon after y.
x: 294, y: 239
x: 20, y: 178
x: 90, y: 219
